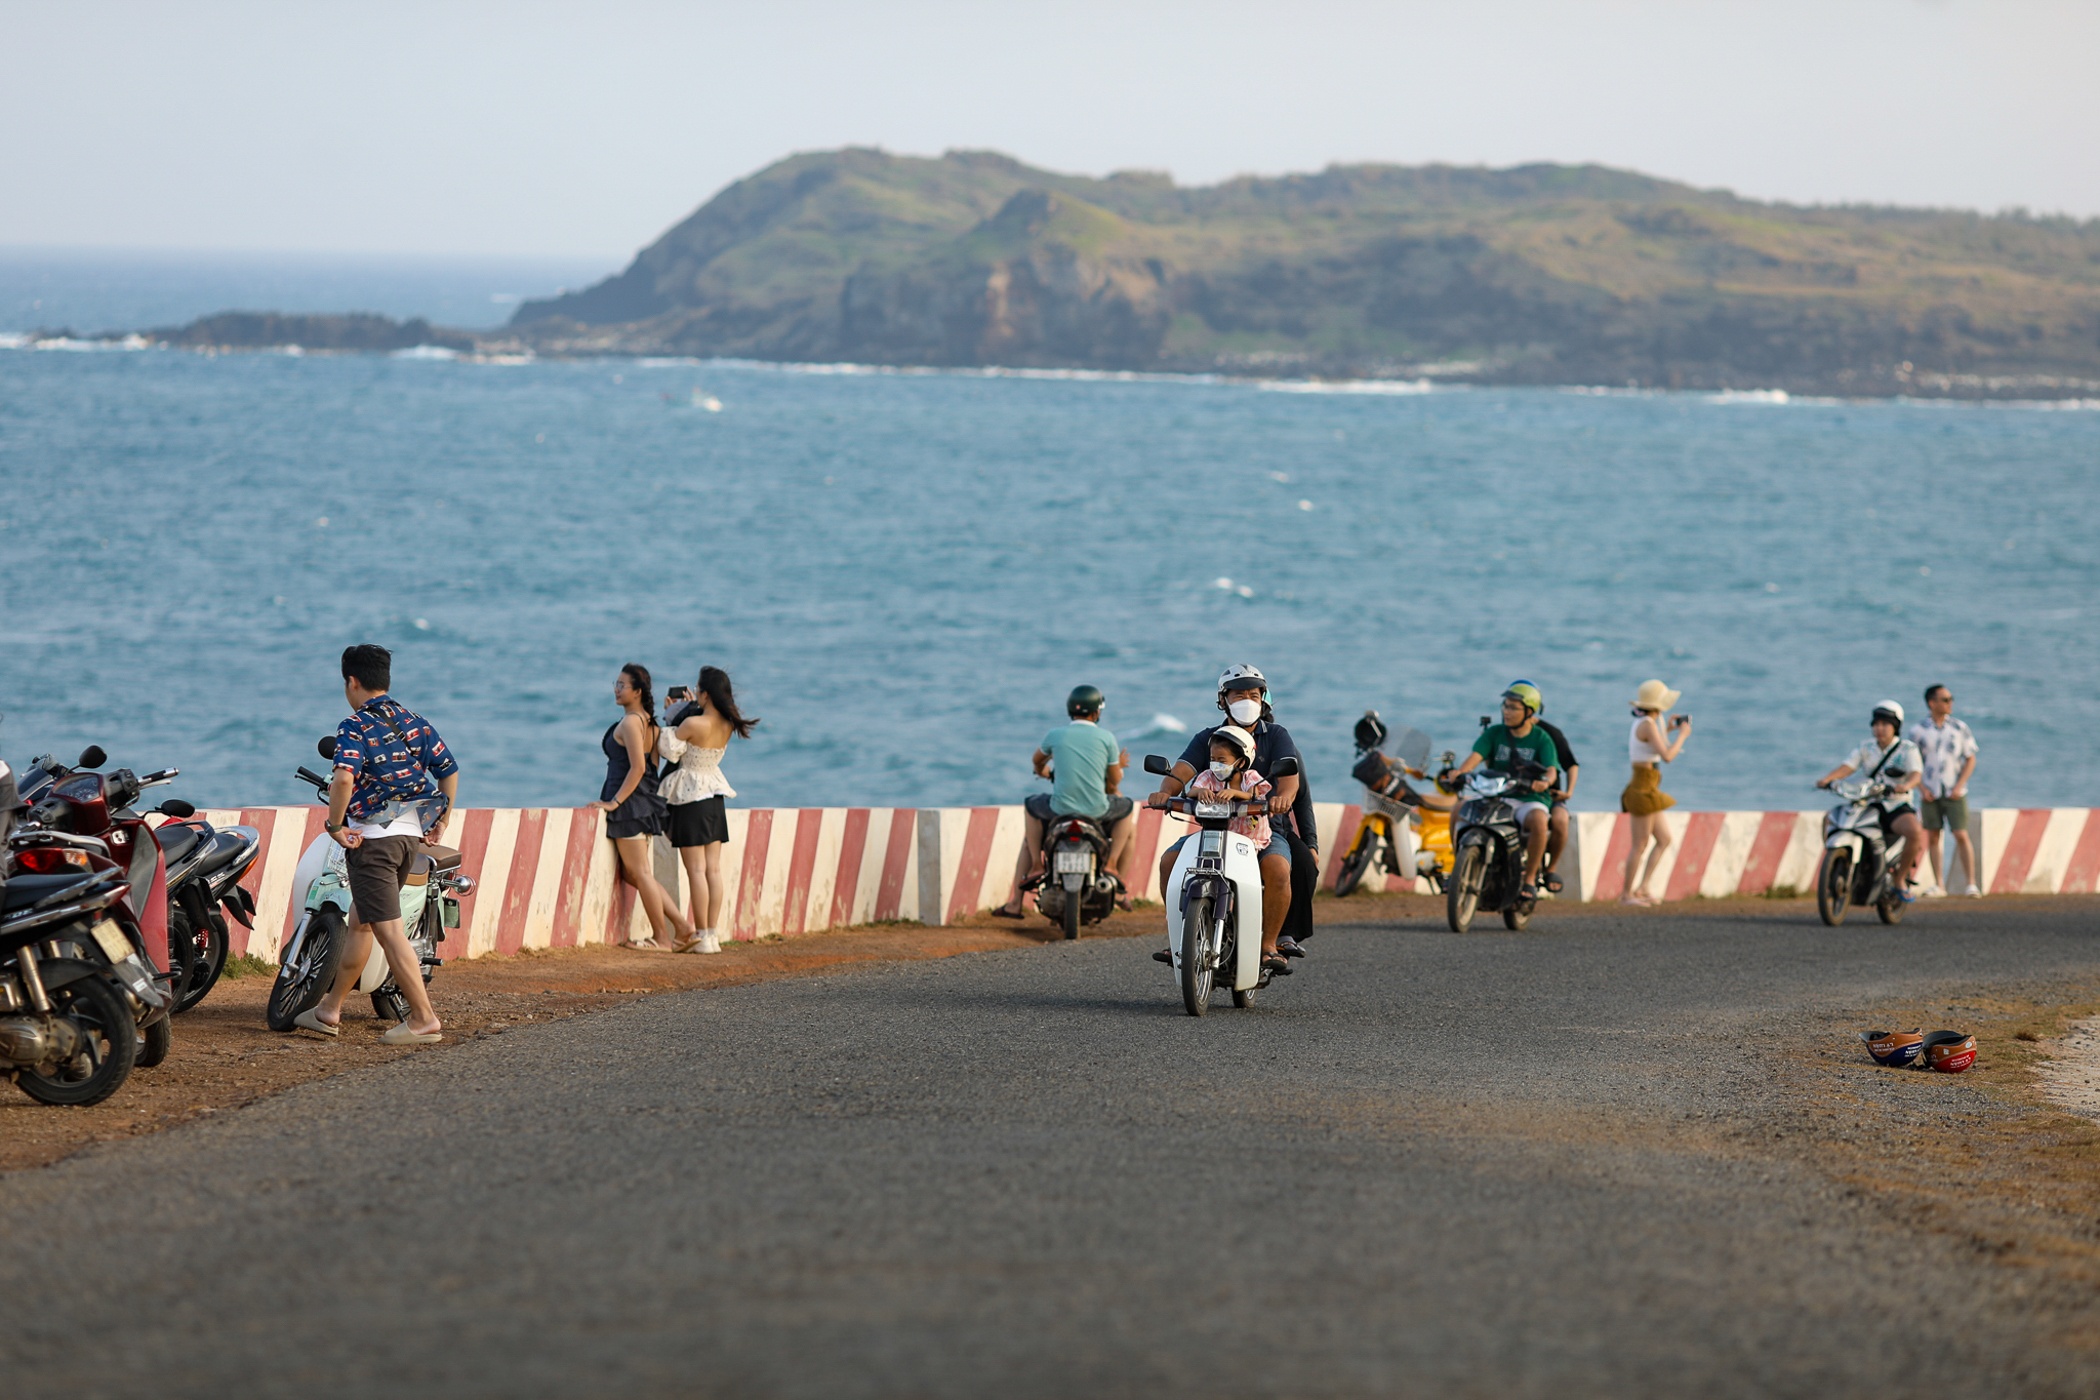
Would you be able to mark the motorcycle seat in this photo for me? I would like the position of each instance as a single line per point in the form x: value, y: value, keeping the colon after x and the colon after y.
x: 25, y: 890
x: 178, y: 839
x: 224, y: 847
x: 443, y: 859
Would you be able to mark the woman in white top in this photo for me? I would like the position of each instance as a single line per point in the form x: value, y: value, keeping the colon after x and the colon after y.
x: 1644, y: 800
x: 694, y: 743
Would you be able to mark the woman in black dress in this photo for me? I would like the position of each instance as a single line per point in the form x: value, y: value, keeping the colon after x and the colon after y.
x: 635, y: 814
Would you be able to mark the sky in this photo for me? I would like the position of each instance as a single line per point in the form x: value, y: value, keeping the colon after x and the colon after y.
x: 586, y: 129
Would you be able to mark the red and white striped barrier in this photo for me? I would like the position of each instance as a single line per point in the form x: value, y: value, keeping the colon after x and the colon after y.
x: 547, y: 877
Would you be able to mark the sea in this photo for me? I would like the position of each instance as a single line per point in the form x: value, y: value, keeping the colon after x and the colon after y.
x: 905, y: 572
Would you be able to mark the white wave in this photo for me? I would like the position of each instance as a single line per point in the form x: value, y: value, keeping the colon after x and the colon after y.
x: 666, y: 361
x: 1751, y: 396
x: 517, y: 357
x: 426, y: 352
x: 88, y: 347
x: 1346, y: 386
x: 13, y: 340
x: 1161, y: 723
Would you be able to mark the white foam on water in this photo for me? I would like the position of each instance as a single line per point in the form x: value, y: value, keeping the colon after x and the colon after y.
x: 1751, y: 396
x: 425, y: 352
x: 1161, y: 723
x: 671, y: 361
x: 13, y: 340
x: 70, y: 345
x: 1346, y: 386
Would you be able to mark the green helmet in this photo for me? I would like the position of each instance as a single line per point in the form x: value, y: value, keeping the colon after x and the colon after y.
x: 1527, y: 694
x: 1085, y: 700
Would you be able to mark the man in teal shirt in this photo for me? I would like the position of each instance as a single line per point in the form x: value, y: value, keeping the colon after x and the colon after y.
x: 1085, y: 766
x: 1518, y: 741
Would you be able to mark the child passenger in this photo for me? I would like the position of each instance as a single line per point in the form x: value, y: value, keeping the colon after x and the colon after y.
x: 1231, y: 777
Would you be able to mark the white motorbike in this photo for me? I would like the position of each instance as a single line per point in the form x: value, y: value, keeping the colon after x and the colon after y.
x: 1214, y: 898
x: 1859, y: 863
x: 321, y: 893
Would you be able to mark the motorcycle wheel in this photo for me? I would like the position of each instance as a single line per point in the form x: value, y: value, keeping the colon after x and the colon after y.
x: 1243, y: 1000
x: 1890, y: 908
x: 1072, y: 904
x: 1834, y: 888
x: 104, y: 1062
x: 1196, y: 970
x: 1462, y: 886
x: 154, y: 1043
x: 301, y: 982
x: 389, y: 1005
x: 1515, y: 916
x: 208, y: 959
x: 1354, y: 865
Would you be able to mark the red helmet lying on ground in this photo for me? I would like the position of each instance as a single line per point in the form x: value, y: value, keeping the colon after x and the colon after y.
x: 1950, y: 1052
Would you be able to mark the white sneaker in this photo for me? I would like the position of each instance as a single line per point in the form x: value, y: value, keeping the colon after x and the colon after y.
x: 1933, y: 892
x: 1972, y: 893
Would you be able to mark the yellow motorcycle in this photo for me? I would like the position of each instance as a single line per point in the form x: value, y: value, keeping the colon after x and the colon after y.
x: 1390, y: 805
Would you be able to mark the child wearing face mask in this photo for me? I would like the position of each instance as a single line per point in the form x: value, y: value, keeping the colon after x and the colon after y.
x: 1231, y: 776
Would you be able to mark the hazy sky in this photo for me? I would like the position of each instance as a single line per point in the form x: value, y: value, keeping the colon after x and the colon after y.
x: 587, y: 128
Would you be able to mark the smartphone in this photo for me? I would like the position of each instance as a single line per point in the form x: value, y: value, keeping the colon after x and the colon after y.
x: 678, y: 692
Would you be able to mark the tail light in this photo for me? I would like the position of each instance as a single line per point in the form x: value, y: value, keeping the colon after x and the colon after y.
x: 52, y: 860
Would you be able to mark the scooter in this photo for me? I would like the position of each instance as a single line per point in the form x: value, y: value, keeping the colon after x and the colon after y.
x: 1214, y: 898
x: 1858, y: 866
x: 1391, y: 807
x: 1073, y: 888
x: 321, y: 892
x: 1487, y: 864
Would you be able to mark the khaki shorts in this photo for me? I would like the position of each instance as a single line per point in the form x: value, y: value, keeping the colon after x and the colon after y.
x: 1953, y: 811
x: 379, y: 866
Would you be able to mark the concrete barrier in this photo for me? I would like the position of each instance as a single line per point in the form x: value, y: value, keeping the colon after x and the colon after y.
x: 548, y: 878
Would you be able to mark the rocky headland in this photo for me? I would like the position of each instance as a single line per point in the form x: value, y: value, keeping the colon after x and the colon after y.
x: 1542, y: 274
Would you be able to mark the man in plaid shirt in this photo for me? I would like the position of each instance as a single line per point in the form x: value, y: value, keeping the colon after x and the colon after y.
x: 394, y: 787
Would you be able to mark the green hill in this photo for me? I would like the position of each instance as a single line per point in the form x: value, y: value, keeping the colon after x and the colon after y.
x: 1537, y: 274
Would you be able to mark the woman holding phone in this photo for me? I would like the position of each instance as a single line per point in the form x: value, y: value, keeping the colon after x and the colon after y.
x: 693, y: 743
x: 634, y: 811
x: 1649, y: 747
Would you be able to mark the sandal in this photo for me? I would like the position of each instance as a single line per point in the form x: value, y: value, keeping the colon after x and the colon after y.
x: 1002, y: 912
x: 1553, y: 881
x: 1163, y: 956
x: 643, y: 945
x: 1638, y: 901
x: 1276, y: 963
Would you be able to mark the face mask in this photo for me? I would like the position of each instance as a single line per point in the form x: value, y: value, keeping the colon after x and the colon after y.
x: 1244, y: 711
x: 1222, y: 771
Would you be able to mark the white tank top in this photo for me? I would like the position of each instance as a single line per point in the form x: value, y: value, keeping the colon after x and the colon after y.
x: 1639, y: 749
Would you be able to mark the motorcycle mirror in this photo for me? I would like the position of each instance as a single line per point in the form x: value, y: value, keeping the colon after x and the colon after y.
x: 1284, y: 768
x: 326, y: 748
x: 1485, y: 721
x: 1156, y: 764
x: 92, y: 757
x: 176, y: 807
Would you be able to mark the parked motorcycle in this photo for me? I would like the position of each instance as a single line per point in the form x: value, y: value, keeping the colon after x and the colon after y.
x: 200, y: 868
x: 1487, y: 863
x: 1074, y: 889
x: 1858, y: 865
x: 1392, y: 808
x: 75, y: 978
x: 321, y: 894
x: 1214, y: 898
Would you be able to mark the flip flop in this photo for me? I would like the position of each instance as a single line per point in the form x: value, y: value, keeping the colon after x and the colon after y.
x: 1276, y: 963
x: 643, y: 945
x: 310, y: 1020
x: 1002, y: 912
x: 402, y: 1035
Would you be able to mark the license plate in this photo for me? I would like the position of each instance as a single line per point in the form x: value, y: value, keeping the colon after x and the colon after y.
x: 1074, y: 862
x: 115, y: 946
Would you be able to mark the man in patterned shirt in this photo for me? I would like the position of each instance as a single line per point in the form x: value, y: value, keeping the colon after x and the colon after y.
x: 1949, y: 751
x: 393, y: 790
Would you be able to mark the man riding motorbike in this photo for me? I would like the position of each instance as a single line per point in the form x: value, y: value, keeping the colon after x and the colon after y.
x: 1894, y: 760
x: 1563, y: 793
x: 1520, y: 740
x: 1243, y: 696
x: 1085, y: 766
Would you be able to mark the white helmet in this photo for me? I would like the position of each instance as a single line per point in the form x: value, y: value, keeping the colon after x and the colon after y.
x: 1892, y: 709
x: 1237, y: 678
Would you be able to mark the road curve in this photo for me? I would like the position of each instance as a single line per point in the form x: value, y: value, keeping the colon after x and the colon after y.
x: 1426, y: 1164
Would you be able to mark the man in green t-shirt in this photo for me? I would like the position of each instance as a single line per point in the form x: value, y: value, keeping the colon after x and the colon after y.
x: 1518, y: 742
x: 1085, y: 767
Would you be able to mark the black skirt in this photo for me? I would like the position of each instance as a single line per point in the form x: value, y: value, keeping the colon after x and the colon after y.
x: 702, y: 823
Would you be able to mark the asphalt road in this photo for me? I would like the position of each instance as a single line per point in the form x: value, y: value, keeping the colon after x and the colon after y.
x: 1491, y: 1165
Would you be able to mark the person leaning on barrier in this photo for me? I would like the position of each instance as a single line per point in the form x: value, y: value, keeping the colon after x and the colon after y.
x: 1085, y: 766
x: 393, y: 791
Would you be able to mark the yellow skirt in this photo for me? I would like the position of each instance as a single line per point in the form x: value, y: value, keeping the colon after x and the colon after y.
x: 1644, y: 796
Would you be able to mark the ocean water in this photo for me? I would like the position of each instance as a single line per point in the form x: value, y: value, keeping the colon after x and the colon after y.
x: 906, y: 572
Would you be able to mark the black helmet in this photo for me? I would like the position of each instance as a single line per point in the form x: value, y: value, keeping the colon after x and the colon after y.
x: 1085, y: 700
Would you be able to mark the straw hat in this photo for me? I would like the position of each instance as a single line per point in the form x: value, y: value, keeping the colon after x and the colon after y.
x: 1654, y: 695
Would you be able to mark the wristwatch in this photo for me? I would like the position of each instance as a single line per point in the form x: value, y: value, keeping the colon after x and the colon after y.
x: 333, y: 827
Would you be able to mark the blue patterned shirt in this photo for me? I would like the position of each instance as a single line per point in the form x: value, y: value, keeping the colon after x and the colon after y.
x: 393, y: 769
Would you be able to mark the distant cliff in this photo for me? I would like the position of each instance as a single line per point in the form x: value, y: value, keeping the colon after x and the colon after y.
x: 257, y: 330
x: 1538, y: 274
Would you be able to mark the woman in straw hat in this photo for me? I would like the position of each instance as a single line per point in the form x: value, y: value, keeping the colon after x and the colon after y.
x: 1649, y: 748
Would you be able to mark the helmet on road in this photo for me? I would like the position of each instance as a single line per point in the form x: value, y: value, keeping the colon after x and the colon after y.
x: 1895, y: 1049
x: 1525, y: 694
x: 1085, y: 700
x: 1890, y: 711
x: 1950, y: 1052
x: 1241, y: 678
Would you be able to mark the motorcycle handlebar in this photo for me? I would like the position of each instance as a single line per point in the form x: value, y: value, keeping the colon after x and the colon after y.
x: 308, y: 775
